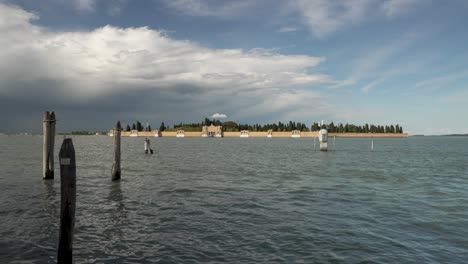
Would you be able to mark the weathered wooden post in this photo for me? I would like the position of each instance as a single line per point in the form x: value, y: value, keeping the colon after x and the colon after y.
x: 45, y: 145
x: 116, y: 161
x: 52, y: 143
x: 48, y: 131
x: 67, y: 201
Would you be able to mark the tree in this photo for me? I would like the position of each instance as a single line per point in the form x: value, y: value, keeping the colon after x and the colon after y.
x: 127, y: 128
x: 133, y: 126
x: 139, y: 127
x: 230, y: 126
x: 315, y: 127
x: 162, y: 127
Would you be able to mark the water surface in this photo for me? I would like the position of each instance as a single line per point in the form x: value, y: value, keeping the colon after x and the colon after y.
x: 199, y: 200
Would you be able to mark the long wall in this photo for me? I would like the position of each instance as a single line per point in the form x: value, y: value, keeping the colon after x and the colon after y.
x: 264, y: 134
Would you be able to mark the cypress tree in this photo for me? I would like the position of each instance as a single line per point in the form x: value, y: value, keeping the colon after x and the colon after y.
x: 162, y: 127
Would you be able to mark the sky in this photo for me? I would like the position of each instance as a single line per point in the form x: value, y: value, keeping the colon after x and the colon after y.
x: 94, y: 62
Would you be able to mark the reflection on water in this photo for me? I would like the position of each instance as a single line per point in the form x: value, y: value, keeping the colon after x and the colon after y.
x: 51, y: 200
x: 118, y: 210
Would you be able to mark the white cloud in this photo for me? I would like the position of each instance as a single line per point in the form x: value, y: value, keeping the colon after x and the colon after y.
x: 393, y: 8
x: 371, y: 85
x: 325, y: 17
x: 211, y: 7
x: 372, y: 64
x: 322, y: 17
x: 218, y: 115
x: 442, y: 81
x: 287, y: 29
x: 84, y: 5
x: 80, y: 66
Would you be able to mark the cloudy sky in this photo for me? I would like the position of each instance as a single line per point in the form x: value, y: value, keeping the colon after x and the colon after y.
x: 358, y: 61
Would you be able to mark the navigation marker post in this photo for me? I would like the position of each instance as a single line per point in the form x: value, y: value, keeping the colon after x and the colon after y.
x: 148, y: 149
x: 323, y: 139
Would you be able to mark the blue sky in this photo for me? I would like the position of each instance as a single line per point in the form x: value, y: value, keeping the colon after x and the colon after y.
x: 362, y: 61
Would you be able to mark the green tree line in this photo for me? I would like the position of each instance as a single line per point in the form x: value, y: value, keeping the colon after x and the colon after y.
x: 367, y: 128
x: 231, y: 126
x: 137, y: 126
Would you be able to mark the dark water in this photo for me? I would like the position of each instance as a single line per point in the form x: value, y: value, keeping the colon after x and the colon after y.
x: 243, y: 201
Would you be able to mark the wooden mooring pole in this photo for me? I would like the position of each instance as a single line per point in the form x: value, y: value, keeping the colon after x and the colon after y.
x: 116, y: 161
x: 67, y: 201
x: 48, y: 131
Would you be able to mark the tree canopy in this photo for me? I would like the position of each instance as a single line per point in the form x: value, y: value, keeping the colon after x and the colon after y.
x: 232, y: 126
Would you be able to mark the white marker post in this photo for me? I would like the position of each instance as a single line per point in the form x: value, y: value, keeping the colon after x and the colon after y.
x: 148, y: 149
x: 323, y: 139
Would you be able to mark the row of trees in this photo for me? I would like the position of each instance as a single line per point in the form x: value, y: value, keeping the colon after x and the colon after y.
x: 280, y: 126
x: 138, y: 126
x: 351, y: 128
x: 290, y: 126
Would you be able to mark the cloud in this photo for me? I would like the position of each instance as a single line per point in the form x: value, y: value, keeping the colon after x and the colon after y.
x: 442, y: 81
x: 392, y: 8
x: 212, y: 7
x: 371, y: 85
x: 287, y: 29
x: 218, y: 115
x: 373, y: 64
x: 322, y: 17
x: 325, y: 17
x: 142, y: 69
x: 84, y: 5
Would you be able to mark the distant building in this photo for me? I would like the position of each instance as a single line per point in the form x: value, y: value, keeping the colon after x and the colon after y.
x: 296, y: 133
x: 180, y: 133
x: 133, y: 133
x: 212, y: 131
x: 270, y: 133
x: 244, y: 133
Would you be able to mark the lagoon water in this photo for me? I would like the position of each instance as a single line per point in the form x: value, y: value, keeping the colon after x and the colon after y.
x: 199, y: 200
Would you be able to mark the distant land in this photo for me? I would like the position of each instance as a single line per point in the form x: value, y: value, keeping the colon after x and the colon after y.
x: 231, y: 126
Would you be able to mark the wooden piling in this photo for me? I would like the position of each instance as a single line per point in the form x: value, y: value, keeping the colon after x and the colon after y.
x: 116, y: 161
x: 52, y: 143
x: 48, y: 131
x: 67, y: 201
x: 45, y: 144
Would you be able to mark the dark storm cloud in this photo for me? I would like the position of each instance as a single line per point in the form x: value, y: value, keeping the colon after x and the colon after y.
x: 92, y: 78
